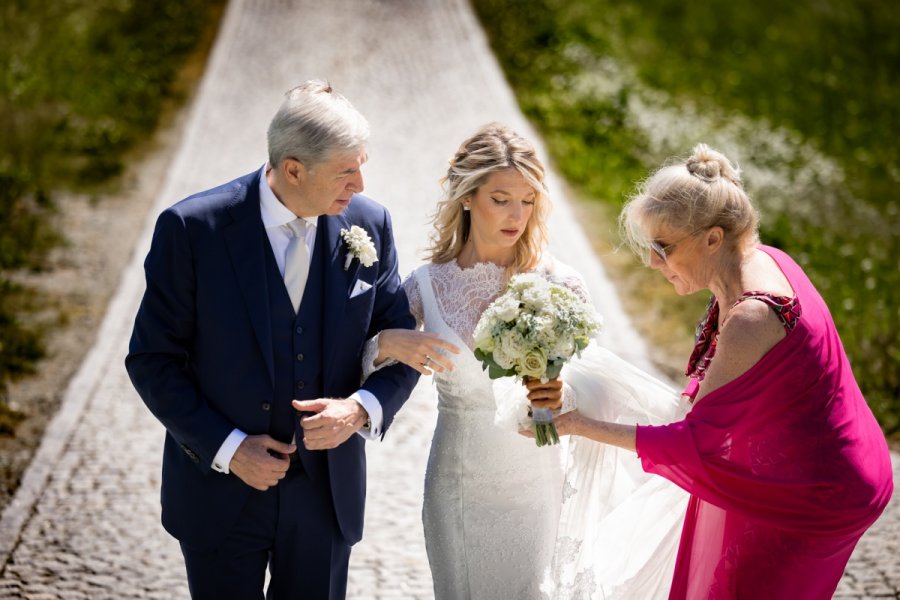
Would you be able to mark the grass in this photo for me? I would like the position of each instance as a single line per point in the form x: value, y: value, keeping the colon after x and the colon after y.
x: 802, y: 95
x: 85, y: 83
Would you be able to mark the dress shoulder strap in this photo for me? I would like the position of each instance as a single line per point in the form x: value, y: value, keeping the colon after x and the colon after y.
x: 787, y: 308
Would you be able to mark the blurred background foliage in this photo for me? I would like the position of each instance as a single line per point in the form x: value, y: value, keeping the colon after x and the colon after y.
x: 83, y: 82
x: 803, y: 95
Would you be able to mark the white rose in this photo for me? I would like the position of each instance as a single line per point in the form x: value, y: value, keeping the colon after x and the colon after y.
x: 527, y: 280
x: 506, y: 308
x: 535, y: 364
x: 512, y: 343
x: 536, y: 297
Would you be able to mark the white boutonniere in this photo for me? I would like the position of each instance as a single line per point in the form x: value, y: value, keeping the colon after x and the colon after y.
x: 359, y: 246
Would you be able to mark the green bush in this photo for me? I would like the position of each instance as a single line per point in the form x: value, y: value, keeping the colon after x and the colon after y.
x: 83, y: 82
x: 804, y: 94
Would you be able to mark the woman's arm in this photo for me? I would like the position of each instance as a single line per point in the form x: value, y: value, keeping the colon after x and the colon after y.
x: 614, y: 434
x: 423, y: 351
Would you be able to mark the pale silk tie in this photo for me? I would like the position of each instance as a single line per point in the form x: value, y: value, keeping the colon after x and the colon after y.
x: 296, y: 262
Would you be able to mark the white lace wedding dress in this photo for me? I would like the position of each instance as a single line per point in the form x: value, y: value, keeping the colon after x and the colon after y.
x: 505, y: 519
x: 492, y: 498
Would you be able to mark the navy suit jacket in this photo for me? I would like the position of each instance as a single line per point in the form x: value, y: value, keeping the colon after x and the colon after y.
x: 201, y: 354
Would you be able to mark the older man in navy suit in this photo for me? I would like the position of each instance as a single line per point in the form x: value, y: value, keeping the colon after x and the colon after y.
x: 257, y: 308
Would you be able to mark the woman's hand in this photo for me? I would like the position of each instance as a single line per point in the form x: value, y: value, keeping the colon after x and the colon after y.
x: 566, y: 424
x: 423, y: 351
x: 545, y: 395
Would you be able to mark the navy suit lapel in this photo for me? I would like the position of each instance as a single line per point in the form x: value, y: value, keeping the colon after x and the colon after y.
x: 247, y: 243
x: 338, y: 283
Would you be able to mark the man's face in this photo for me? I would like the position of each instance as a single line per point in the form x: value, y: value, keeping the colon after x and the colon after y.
x: 326, y: 188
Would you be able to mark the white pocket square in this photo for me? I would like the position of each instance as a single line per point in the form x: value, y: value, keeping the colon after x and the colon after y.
x: 360, y: 287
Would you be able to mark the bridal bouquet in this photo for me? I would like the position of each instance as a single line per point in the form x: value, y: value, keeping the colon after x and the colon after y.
x: 532, y: 330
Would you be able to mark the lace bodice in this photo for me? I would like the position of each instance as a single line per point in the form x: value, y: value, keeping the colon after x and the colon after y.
x: 462, y: 295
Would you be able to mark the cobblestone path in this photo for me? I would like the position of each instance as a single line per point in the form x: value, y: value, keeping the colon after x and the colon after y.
x: 85, y: 522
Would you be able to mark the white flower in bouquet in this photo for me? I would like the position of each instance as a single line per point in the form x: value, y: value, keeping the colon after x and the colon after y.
x: 506, y: 308
x: 532, y: 330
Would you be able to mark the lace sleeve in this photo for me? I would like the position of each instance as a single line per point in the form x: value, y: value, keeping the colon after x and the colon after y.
x: 370, y: 353
x: 411, y: 287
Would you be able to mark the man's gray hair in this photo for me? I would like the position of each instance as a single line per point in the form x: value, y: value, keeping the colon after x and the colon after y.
x: 314, y: 122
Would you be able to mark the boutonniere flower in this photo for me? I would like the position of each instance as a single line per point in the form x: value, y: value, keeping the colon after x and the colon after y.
x: 359, y: 246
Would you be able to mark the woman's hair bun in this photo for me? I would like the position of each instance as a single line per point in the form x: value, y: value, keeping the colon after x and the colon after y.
x: 709, y: 165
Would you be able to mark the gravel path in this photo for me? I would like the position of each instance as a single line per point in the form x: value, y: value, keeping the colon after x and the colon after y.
x: 85, y: 521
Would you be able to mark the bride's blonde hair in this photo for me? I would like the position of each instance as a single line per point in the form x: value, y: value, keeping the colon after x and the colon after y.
x: 493, y: 148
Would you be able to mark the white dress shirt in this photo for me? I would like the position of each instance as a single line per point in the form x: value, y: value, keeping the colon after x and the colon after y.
x: 275, y: 217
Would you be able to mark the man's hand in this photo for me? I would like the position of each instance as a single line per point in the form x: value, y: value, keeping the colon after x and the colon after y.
x: 334, y: 421
x: 261, y: 461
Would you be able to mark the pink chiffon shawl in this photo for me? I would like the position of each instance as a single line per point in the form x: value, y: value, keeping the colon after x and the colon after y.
x: 786, y: 465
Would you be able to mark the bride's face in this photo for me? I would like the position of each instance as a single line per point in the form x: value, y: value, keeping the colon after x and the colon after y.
x: 500, y: 209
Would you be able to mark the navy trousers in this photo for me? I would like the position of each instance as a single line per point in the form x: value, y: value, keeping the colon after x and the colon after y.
x: 292, y: 529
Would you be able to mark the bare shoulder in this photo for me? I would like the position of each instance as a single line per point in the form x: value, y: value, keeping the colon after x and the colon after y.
x: 750, y: 331
x: 753, y: 325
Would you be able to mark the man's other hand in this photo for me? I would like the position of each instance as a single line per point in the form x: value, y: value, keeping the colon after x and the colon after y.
x: 261, y: 461
x: 332, y: 423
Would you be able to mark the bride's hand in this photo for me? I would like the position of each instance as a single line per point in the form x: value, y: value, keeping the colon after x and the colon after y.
x: 423, y: 351
x: 545, y: 395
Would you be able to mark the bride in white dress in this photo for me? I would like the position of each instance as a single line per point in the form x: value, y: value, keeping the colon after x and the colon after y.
x: 504, y: 518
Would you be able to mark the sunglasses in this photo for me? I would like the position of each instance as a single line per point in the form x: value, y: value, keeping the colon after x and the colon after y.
x: 663, y: 252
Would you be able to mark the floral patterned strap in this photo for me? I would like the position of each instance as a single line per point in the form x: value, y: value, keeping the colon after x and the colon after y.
x: 704, y: 341
x: 786, y: 307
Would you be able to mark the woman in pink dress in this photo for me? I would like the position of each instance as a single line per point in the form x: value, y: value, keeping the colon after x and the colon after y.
x: 785, y: 464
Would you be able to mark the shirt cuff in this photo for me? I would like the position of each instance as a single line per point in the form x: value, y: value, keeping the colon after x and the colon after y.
x: 369, y: 402
x: 370, y: 353
x: 226, y: 451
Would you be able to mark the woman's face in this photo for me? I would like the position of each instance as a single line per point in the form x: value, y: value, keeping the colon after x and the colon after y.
x: 685, y: 264
x: 500, y: 209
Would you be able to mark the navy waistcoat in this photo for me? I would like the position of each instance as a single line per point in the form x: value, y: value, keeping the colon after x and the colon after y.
x: 297, y: 342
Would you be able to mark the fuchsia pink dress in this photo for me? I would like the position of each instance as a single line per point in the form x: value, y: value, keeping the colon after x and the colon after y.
x: 786, y: 465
